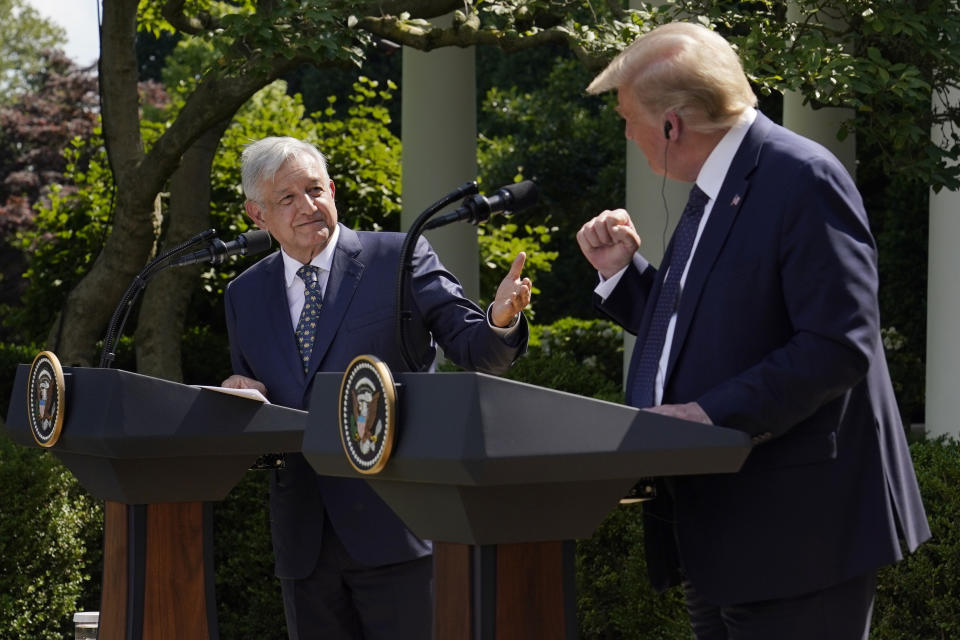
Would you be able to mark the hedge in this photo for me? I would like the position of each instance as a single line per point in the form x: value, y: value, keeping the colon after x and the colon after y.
x: 49, y: 543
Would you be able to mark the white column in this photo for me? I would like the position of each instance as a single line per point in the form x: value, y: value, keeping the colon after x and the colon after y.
x: 943, y: 307
x: 439, y: 134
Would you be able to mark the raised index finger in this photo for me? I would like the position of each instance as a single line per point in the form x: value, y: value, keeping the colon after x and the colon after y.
x: 517, y: 267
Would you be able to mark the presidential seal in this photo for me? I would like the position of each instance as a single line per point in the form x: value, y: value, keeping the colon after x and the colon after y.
x: 368, y: 409
x: 45, y: 390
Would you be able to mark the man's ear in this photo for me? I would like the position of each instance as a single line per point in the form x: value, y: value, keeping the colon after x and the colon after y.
x: 255, y: 212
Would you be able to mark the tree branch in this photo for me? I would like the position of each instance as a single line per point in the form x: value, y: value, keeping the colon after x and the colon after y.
x: 467, y: 33
x: 197, y: 25
x: 425, y: 9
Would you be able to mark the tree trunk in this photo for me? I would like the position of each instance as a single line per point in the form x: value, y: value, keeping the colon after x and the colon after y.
x: 139, y: 177
x: 160, y: 323
x: 88, y: 307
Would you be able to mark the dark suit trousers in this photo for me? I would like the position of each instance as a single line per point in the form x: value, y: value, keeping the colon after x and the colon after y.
x: 840, y: 612
x: 343, y: 600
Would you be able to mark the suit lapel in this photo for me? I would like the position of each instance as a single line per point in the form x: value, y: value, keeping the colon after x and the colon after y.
x: 277, y: 311
x: 733, y: 193
x: 341, y: 286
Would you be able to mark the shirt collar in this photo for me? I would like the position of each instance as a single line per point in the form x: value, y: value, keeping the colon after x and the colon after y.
x: 714, y: 170
x: 324, y: 259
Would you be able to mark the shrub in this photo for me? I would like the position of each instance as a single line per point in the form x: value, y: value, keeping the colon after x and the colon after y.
x: 578, y: 356
x: 917, y: 598
x: 614, y: 597
x: 47, y: 524
x: 249, y: 604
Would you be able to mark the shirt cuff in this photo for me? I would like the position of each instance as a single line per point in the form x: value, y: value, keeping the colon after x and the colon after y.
x: 607, y: 285
x: 503, y: 331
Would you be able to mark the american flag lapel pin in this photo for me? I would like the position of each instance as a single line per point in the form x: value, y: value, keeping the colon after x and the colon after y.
x: 735, y: 201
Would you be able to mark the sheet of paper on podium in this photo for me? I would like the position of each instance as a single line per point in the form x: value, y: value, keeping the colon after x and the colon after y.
x: 252, y: 394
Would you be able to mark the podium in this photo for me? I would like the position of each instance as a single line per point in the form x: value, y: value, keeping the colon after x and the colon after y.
x: 159, y: 453
x: 512, y: 474
x: 502, y: 475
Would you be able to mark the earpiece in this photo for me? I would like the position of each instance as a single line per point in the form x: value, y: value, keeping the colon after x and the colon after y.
x: 667, y: 128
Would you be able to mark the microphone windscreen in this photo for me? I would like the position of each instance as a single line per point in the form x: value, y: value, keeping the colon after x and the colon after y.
x: 522, y: 194
x: 257, y: 241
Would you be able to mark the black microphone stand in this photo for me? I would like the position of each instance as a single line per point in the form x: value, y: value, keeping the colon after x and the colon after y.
x: 120, y: 314
x: 405, y: 269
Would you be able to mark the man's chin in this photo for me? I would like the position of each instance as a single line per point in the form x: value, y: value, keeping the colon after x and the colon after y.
x: 319, y: 238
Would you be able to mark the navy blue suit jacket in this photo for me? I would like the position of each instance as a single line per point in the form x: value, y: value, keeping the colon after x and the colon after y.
x: 358, y: 317
x: 778, y: 334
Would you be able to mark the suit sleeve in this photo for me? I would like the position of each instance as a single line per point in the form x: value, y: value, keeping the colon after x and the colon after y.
x: 237, y: 361
x: 828, y: 279
x: 626, y: 302
x: 458, y: 325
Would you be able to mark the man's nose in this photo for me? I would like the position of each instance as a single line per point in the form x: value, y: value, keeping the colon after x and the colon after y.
x: 305, y: 204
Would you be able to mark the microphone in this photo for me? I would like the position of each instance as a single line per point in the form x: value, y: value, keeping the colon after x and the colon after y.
x: 476, y: 209
x: 245, y: 244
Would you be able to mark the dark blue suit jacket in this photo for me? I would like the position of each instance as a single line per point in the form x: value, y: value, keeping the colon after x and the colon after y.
x: 778, y: 334
x: 358, y: 317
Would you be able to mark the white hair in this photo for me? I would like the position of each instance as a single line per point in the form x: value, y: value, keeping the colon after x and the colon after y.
x: 262, y: 159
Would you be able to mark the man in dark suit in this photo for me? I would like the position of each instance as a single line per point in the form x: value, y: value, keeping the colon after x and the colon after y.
x: 349, y: 568
x: 769, y: 324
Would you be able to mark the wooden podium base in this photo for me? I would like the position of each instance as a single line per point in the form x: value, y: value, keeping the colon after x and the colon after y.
x: 158, y: 581
x: 505, y: 592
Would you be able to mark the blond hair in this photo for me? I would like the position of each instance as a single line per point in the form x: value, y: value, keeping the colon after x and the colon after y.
x: 685, y: 68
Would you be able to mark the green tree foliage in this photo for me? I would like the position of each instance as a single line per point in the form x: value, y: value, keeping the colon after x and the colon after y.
x: 66, y: 236
x: 24, y: 37
x: 500, y: 243
x: 544, y: 128
x: 885, y: 60
x: 35, y: 126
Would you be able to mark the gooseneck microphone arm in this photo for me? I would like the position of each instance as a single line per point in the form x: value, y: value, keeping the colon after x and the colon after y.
x: 406, y: 268
x: 474, y: 209
x: 120, y: 314
x: 249, y: 243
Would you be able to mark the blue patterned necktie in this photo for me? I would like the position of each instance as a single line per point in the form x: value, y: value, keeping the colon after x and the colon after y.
x: 307, y: 324
x: 646, y: 372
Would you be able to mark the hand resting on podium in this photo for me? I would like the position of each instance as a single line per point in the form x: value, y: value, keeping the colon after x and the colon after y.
x: 252, y: 387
